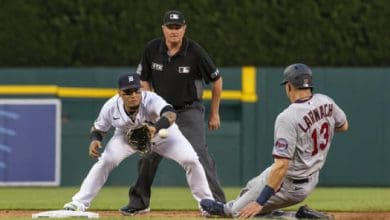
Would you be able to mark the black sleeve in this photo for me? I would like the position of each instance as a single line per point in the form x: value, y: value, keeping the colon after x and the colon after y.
x: 144, y: 66
x: 167, y: 108
x: 206, y: 66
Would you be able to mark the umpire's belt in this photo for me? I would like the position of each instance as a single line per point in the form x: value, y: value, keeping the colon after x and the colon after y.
x: 186, y: 105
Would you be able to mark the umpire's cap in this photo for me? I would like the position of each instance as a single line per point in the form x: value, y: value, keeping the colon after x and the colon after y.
x: 299, y: 75
x: 174, y: 17
x: 129, y: 81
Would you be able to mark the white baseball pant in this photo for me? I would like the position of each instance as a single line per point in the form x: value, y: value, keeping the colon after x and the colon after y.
x: 175, y: 147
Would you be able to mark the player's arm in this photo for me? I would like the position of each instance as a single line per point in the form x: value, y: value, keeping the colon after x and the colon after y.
x: 275, y: 178
x: 216, y: 90
x: 96, y: 142
x: 144, y: 70
x: 167, y: 118
x: 210, y: 73
x: 278, y: 172
x: 343, y: 127
x: 341, y: 122
x: 100, y: 127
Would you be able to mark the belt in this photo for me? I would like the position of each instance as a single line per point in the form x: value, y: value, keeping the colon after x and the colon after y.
x: 300, y: 181
x: 183, y: 107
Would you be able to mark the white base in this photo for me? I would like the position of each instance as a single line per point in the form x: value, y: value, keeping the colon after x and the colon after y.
x: 65, y: 214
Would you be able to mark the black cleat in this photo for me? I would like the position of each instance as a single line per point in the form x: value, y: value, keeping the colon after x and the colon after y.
x: 212, y: 207
x: 304, y: 212
x: 129, y: 211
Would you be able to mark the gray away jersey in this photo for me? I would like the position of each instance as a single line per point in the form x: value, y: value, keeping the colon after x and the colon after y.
x: 304, y: 132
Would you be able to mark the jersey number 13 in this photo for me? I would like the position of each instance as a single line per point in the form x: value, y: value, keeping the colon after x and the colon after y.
x: 324, y: 132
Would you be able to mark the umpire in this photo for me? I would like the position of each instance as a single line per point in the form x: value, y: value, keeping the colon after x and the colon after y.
x: 176, y: 68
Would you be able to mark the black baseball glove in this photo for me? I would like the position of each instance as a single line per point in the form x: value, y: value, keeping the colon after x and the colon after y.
x: 139, y: 138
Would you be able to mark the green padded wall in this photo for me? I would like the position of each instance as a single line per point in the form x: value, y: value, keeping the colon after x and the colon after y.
x: 242, y: 147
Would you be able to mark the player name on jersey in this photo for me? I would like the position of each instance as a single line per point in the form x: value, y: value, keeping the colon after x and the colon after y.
x: 315, y: 115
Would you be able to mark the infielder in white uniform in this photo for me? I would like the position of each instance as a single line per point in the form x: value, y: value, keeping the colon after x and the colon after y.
x: 302, y: 138
x: 128, y: 109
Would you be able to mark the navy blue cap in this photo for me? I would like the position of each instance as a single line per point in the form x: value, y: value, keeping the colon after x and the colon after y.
x: 129, y: 81
x: 299, y: 75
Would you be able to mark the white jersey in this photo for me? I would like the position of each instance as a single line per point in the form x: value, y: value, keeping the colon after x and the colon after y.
x: 304, y: 132
x: 113, y: 113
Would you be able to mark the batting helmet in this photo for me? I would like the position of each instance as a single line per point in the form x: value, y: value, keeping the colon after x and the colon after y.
x: 299, y: 75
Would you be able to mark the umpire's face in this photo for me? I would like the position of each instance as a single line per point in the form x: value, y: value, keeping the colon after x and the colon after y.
x: 131, y: 97
x: 174, y: 33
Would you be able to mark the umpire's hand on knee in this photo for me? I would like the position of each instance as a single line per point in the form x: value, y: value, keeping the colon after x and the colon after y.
x: 93, y: 148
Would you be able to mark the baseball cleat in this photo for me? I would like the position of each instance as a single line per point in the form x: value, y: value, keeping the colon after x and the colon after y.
x: 74, y: 206
x: 304, y: 212
x: 212, y: 207
x: 129, y: 211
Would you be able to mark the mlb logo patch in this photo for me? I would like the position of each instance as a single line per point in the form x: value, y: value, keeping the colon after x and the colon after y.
x: 184, y: 69
x: 174, y: 16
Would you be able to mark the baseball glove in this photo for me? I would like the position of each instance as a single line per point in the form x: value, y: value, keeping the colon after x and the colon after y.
x: 139, y: 138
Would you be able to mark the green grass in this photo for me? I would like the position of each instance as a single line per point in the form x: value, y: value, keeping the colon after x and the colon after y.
x: 350, y: 199
x: 173, y: 198
x: 180, y: 198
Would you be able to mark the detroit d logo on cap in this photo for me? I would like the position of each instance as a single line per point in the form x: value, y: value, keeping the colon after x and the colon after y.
x: 131, y: 78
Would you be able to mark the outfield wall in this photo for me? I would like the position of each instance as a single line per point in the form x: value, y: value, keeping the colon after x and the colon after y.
x: 242, y: 147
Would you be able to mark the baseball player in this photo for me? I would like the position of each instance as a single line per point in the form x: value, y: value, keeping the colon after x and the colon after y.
x: 303, y: 135
x: 128, y: 109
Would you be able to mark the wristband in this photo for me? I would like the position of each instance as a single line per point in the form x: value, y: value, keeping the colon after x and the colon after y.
x: 163, y: 122
x: 96, y: 135
x: 265, y: 195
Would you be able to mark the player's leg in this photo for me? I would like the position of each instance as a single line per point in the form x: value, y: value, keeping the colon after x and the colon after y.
x: 286, y: 196
x: 191, y: 124
x: 177, y: 148
x: 139, y: 194
x: 248, y: 194
x: 115, y: 152
x: 291, y: 193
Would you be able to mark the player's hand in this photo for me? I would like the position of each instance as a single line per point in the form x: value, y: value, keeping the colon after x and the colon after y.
x: 93, y: 148
x: 152, y: 130
x: 250, y: 210
x: 214, y: 122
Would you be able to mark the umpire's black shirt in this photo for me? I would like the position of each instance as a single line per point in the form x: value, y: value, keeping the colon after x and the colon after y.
x: 178, y: 79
